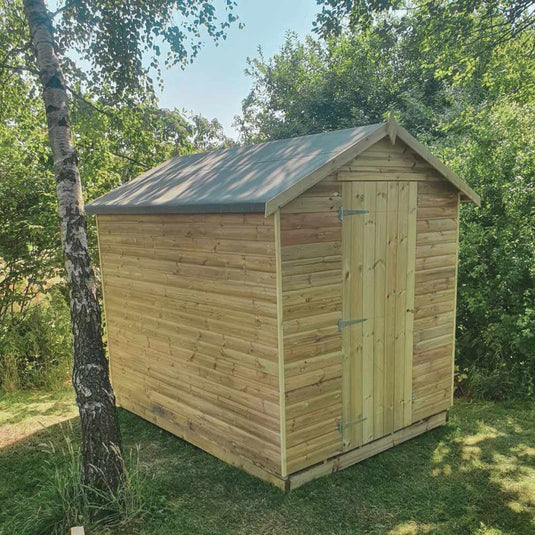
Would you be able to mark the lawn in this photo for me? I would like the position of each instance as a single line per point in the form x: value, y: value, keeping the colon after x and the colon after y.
x: 474, y: 475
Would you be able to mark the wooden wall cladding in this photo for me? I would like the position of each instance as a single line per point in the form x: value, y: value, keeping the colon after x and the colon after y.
x: 435, y: 302
x: 311, y: 241
x: 192, y: 324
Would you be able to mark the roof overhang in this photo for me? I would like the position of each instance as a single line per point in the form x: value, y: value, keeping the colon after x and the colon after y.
x: 391, y: 129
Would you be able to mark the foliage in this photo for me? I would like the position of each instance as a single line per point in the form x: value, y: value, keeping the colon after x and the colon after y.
x: 120, y: 67
x: 209, y: 135
x: 28, y: 233
x: 472, y: 476
x: 496, y: 313
x: 481, y: 123
x: 35, y: 346
x: 62, y: 500
x: 115, y: 142
x: 462, y: 34
x: 344, y: 82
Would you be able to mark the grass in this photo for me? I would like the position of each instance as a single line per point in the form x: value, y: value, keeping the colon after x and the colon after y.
x: 476, y: 475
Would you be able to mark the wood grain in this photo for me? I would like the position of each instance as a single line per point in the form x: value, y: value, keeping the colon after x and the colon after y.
x: 191, y: 309
x: 434, y: 304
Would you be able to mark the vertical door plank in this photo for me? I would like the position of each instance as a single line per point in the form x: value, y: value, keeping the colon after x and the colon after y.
x: 409, y: 320
x: 347, y: 281
x: 357, y: 253
x: 390, y: 303
x: 401, y: 308
x: 368, y: 296
x: 379, y: 308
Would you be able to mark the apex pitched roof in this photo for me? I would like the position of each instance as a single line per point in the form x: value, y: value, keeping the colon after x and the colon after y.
x: 254, y: 178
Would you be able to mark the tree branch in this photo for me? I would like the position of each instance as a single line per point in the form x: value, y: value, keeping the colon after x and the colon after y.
x: 133, y: 160
x: 79, y: 96
x: 63, y: 8
x: 16, y: 68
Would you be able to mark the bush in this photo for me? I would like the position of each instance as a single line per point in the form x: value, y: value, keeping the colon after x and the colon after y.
x: 496, y: 295
x: 63, y: 501
x: 35, y: 347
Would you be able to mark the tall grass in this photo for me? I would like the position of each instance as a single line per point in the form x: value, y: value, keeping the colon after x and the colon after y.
x: 62, y: 500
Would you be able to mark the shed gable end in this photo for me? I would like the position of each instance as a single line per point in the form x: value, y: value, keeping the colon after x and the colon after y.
x: 389, y: 162
x: 389, y: 151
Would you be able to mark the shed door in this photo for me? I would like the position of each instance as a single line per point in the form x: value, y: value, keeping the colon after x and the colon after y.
x: 379, y: 252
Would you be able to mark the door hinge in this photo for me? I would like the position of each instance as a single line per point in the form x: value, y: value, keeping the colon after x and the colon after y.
x: 342, y: 324
x: 342, y: 426
x: 342, y: 213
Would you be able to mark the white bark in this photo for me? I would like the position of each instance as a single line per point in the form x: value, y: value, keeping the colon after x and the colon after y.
x: 101, y: 457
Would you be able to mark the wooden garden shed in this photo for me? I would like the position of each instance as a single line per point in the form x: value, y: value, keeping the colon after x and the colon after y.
x: 288, y: 307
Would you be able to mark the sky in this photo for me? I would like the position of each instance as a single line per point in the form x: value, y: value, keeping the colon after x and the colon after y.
x: 215, y: 84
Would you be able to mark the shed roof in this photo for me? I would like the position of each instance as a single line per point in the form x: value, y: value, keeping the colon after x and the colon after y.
x: 254, y: 178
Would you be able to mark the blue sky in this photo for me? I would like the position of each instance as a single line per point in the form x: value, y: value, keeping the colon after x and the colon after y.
x: 215, y: 84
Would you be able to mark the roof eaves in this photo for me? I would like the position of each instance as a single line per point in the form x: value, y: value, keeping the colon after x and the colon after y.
x: 167, y: 208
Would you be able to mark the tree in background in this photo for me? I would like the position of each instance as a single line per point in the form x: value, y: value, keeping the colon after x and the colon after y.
x: 341, y: 82
x: 117, y: 40
x: 472, y: 99
x: 209, y: 135
x: 461, y: 25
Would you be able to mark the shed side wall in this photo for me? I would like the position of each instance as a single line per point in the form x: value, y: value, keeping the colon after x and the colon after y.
x: 311, y: 241
x: 192, y: 328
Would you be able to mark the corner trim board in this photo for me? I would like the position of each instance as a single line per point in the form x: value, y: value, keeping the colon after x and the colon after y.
x: 280, y: 337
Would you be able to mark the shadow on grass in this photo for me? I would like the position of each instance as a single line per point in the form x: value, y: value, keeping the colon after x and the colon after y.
x: 18, y: 407
x: 474, y: 475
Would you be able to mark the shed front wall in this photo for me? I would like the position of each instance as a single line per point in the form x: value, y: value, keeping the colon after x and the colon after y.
x: 312, y: 294
x: 311, y: 253
x: 191, y: 312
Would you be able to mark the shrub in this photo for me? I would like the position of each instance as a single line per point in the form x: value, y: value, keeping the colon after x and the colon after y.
x: 35, y: 347
x: 496, y: 296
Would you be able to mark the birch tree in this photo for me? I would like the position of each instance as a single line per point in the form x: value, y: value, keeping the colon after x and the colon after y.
x: 121, y: 42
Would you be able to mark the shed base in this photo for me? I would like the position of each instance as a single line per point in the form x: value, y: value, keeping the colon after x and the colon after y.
x: 349, y: 458
x: 295, y: 480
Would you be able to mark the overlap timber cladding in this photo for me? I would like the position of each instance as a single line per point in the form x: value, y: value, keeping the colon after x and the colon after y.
x: 436, y: 286
x: 311, y: 238
x: 311, y: 241
x: 192, y: 325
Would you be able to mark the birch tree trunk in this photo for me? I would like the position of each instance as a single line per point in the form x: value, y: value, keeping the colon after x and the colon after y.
x: 101, y: 441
